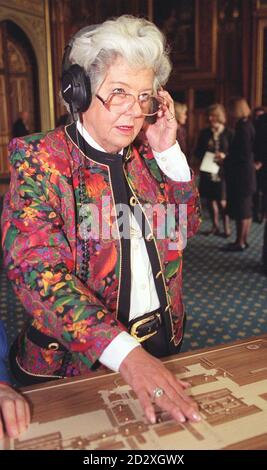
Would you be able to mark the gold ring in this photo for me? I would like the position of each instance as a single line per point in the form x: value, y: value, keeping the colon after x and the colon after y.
x: 171, y: 118
x: 158, y: 392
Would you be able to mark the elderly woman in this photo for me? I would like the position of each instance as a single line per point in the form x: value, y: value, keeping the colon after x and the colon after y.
x: 88, y: 254
x: 215, y: 139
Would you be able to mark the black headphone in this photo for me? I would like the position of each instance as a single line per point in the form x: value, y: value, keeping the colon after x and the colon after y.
x: 75, y: 83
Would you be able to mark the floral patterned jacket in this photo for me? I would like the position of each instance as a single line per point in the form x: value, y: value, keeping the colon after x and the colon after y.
x: 43, y: 250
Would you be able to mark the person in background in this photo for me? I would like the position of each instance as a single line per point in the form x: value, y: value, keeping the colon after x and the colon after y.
x: 14, y: 409
x: 99, y: 275
x: 181, y: 118
x: 240, y: 172
x: 21, y: 125
x: 258, y: 198
x: 261, y: 156
x: 216, y: 139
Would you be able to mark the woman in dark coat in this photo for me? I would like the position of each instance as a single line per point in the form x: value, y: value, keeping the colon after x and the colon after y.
x: 240, y: 173
x: 261, y: 157
x: 216, y: 139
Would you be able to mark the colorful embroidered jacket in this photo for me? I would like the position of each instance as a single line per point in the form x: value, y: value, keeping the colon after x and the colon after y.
x: 43, y: 247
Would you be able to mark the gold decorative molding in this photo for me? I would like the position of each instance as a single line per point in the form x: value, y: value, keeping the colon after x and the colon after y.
x: 258, y: 62
x: 49, y: 64
x: 35, y: 7
x: 36, y: 29
x: 261, y: 4
x: 4, y: 134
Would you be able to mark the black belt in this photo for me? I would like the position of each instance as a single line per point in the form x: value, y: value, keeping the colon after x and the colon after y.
x: 44, y: 341
x: 141, y: 329
x: 145, y: 326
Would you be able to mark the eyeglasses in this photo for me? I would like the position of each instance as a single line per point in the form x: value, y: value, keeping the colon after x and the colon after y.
x: 120, y: 103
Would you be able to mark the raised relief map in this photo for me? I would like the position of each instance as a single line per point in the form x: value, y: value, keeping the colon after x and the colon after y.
x: 230, y: 386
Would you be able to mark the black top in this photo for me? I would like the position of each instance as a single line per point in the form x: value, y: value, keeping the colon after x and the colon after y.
x: 210, y: 186
x: 261, y: 139
x: 239, y: 165
x: 260, y: 149
x: 19, y: 129
x: 206, y: 142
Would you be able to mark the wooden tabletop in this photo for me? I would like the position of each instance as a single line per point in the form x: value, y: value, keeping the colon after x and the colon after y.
x: 100, y: 411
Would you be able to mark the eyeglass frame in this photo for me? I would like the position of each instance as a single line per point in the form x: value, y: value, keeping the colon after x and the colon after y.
x: 106, y: 102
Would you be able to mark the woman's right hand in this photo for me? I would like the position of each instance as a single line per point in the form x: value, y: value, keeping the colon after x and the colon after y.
x: 219, y: 157
x: 145, y: 374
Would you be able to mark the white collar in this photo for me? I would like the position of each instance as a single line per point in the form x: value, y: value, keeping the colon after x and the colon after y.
x: 85, y: 134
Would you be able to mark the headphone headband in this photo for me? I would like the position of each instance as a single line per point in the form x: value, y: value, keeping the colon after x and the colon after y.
x: 75, y: 83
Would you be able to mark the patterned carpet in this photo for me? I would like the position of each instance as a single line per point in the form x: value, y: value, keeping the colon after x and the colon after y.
x: 225, y: 293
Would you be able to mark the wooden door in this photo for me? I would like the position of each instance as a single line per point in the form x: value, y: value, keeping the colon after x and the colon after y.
x: 18, y: 85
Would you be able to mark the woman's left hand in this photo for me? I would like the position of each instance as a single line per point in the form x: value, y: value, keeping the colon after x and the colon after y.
x: 14, y: 412
x: 162, y: 134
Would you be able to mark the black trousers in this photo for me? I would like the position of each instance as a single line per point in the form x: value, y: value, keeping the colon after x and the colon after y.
x: 264, y: 248
x: 158, y: 346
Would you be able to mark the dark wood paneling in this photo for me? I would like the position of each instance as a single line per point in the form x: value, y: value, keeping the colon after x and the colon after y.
x: 218, y: 64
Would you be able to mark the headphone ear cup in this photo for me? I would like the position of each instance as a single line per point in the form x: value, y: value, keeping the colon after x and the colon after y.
x: 76, y: 89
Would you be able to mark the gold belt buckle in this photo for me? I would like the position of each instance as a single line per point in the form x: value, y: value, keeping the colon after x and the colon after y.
x: 134, y: 327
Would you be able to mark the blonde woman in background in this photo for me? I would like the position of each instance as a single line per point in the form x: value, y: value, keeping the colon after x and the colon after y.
x: 216, y: 139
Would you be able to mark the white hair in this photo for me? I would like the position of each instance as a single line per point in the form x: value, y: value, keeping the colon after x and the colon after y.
x: 136, y: 40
